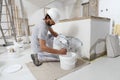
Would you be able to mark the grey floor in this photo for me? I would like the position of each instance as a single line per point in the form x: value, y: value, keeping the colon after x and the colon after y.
x: 103, y: 68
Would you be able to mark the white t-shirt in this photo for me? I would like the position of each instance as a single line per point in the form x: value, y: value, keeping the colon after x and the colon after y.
x: 40, y: 31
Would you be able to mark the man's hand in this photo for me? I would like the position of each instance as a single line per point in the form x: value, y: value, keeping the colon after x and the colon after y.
x: 55, y: 34
x: 63, y: 51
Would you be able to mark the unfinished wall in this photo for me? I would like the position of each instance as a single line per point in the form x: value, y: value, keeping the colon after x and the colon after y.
x: 107, y: 8
x: 60, y: 6
x: 29, y: 7
x: 73, y: 9
x: 84, y: 1
x: 36, y: 17
x: 39, y: 13
x: 67, y: 10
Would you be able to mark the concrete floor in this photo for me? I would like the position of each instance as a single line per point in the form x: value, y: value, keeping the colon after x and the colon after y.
x: 103, y: 68
x: 8, y: 60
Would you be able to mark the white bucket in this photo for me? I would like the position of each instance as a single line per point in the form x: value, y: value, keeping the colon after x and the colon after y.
x: 66, y: 66
x: 68, y: 61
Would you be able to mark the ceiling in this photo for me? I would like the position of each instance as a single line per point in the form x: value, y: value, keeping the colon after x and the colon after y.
x: 41, y: 3
x: 34, y: 5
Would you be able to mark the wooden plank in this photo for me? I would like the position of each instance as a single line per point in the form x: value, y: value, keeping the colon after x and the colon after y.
x: 1, y: 2
x: 10, y: 12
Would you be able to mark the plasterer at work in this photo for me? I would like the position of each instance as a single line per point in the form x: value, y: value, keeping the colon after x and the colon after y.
x: 42, y: 42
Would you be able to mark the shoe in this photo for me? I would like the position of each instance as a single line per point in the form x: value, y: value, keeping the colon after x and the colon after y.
x: 36, y: 60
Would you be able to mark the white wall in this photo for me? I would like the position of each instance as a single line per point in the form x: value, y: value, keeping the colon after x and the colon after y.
x: 87, y: 30
x: 36, y: 17
x: 113, y: 7
x: 113, y: 12
x: 77, y: 29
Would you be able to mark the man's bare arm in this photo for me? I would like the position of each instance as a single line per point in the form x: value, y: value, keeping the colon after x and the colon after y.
x: 53, y: 32
x: 51, y: 50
